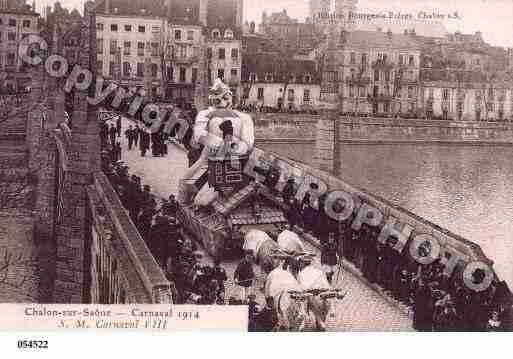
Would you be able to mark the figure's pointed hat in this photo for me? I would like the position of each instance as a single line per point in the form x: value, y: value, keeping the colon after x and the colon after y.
x: 219, y: 89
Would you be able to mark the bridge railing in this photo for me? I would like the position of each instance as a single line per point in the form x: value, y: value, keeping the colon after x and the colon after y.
x: 122, y: 269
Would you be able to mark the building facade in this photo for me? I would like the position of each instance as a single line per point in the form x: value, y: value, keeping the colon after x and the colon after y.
x: 224, y: 58
x: 124, y: 44
x: 376, y: 73
x: 286, y: 85
x: 467, y: 96
x: 182, y: 60
x: 17, y: 20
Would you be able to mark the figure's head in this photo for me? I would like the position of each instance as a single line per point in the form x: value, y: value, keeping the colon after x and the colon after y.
x: 220, y: 95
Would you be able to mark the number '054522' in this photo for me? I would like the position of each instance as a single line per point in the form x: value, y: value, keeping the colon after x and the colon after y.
x: 32, y: 344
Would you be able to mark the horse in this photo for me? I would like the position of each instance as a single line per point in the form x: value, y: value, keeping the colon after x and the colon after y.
x: 290, y: 301
x: 324, y: 300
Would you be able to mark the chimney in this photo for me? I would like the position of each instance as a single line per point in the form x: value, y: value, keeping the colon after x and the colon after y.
x: 252, y: 27
x: 203, y: 12
x: 107, y: 6
x: 168, y: 8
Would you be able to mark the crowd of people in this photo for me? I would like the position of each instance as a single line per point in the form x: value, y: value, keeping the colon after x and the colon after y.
x: 254, y: 108
x: 439, y: 302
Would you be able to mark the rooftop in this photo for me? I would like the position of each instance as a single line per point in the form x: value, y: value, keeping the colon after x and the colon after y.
x: 379, y: 39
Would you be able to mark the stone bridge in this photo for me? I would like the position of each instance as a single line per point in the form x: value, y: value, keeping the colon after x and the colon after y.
x: 82, y: 245
x: 64, y: 235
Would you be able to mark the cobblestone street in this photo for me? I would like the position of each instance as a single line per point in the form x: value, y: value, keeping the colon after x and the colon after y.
x: 363, y: 309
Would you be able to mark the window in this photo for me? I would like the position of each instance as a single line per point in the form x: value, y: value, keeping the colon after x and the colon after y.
x: 1, y: 35
x: 11, y: 36
x: 252, y: 77
x: 154, y: 70
x: 352, y: 59
x: 220, y: 74
x: 234, y: 73
x: 228, y: 34
x: 154, y: 49
x: 306, y: 95
x: 352, y: 74
x: 376, y: 75
x: 235, y: 54
x: 411, y: 92
x: 111, y: 68
x: 209, y: 53
x: 308, y: 78
x: 445, y: 94
x: 99, y: 26
x: 140, y: 49
x: 140, y: 69
x: 364, y: 59
x: 260, y: 93
x: 401, y: 59
x: 387, y: 75
x: 222, y: 53
x: 99, y: 46
x: 411, y: 61
x: 114, y: 27
x: 99, y: 66
x: 490, y: 106
x: 216, y: 34
x: 330, y: 76
x: 182, y: 51
x: 171, y: 73
x: 12, y: 22
x: 126, y: 69
x: 126, y: 48
x: 178, y: 34
x: 194, y: 75
x: 351, y: 91
x: 113, y: 47
x: 196, y: 51
x: 141, y: 28
x: 291, y: 95
x: 361, y: 91
x: 26, y: 23
x: 155, y: 29
x: 190, y: 35
x: 11, y: 59
x: 183, y: 72
x: 268, y: 77
x: 491, y: 93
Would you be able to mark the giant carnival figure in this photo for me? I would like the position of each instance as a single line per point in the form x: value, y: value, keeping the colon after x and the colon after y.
x: 224, y: 134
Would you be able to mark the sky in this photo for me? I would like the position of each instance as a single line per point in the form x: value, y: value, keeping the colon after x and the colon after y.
x: 492, y: 17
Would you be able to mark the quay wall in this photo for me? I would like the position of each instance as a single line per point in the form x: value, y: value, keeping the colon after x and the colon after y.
x: 302, y: 128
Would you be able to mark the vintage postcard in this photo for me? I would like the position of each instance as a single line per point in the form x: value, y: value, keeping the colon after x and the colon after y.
x: 261, y: 166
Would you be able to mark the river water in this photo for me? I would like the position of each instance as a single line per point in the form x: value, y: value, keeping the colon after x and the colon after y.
x: 466, y: 189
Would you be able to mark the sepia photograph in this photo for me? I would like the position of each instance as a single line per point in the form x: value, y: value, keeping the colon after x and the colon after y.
x: 260, y: 166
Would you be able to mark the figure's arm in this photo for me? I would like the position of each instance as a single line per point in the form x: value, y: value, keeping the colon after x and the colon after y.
x: 200, y: 131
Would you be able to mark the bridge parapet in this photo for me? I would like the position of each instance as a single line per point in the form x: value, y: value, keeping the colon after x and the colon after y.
x: 122, y: 268
x: 388, y: 218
